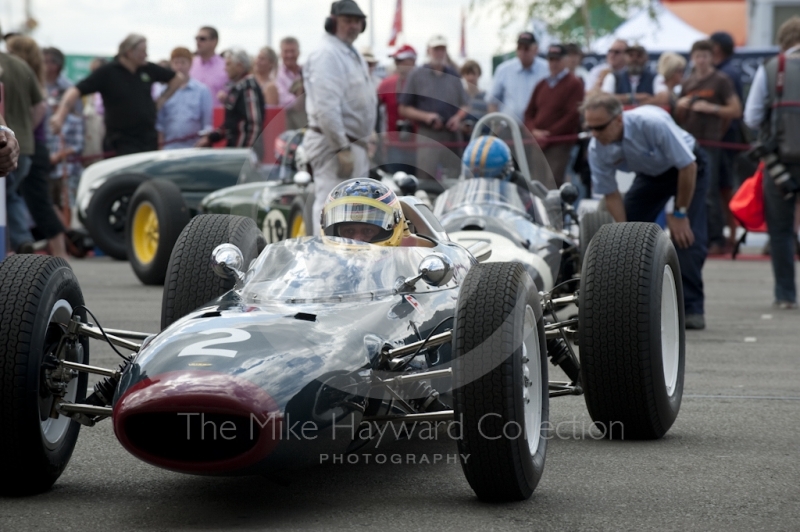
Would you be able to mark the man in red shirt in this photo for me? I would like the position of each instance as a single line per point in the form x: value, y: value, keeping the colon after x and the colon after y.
x: 553, y: 112
x: 397, y: 158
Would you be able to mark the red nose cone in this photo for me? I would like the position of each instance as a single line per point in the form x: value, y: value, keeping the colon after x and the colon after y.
x: 197, y: 422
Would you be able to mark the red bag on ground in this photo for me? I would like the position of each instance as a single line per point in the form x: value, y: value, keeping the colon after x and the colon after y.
x: 747, y: 205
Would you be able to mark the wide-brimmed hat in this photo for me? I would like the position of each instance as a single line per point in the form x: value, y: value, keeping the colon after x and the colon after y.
x: 368, y: 56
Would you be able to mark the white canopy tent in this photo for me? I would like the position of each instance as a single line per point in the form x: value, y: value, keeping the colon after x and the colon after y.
x: 665, y: 32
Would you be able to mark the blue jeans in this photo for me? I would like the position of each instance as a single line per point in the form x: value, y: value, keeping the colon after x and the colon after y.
x: 779, y: 213
x: 16, y: 209
x: 644, y: 202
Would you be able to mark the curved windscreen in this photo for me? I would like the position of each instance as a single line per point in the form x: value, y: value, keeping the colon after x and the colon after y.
x: 480, y: 191
x: 328, y: 269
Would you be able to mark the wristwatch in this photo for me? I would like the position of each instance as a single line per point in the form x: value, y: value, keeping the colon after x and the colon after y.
x: 680, y: 212
x: 8, y: 129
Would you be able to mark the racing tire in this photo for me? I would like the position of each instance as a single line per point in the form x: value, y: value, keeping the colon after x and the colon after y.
x: 298, y: 221
x: 107, y: 213
x: 190, y: 281
x: 39, y: 295
x: 590, y: 223
x: 631, y: 331
x: 501, y: 396
x: 157, y: 215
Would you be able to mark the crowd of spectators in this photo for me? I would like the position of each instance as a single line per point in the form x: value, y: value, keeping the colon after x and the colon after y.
x: 128, y: 105
x: 425, y: 112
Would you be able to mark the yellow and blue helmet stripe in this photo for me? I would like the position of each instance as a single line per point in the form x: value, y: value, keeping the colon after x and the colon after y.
x: 488, y: 156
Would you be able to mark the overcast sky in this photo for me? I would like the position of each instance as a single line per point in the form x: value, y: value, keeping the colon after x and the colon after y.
x: 97, y: 27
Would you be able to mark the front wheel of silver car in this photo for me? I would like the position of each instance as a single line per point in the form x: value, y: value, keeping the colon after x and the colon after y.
x: 500, y: 389
x: 631, y: 333
x: 190, y: 281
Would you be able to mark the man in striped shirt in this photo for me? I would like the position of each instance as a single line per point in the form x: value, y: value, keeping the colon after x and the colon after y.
x: 244, y: 105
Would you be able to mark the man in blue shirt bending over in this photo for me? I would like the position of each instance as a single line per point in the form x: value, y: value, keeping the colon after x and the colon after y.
x: 670, y: 171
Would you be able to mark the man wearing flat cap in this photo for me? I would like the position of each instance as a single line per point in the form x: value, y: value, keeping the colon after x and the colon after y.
x: 553, y: 112
x: 515, y: 79
x: 341, y: 104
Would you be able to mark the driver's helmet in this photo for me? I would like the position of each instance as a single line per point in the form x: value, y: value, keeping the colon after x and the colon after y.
x: 488, y: 156
x: 365, y: 201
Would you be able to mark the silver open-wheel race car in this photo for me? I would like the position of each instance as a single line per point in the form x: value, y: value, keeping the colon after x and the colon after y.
x: 338, y: 338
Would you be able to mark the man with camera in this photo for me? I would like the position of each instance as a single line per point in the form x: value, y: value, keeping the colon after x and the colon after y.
x: 341, y: 103
x: 773, y: 108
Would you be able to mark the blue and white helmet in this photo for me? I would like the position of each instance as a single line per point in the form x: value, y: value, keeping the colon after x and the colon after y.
x: 488, y: 156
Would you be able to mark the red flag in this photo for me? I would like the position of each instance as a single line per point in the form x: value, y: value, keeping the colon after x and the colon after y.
x: 397, y: 25
x: 463, y: 35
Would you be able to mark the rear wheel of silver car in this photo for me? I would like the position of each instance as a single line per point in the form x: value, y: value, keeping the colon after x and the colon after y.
x: 190, y: 281
x: 631, y: 333
x: 39, y: 296
x: 156, y: 216
x: 590, y: 224
x: 500, y: 382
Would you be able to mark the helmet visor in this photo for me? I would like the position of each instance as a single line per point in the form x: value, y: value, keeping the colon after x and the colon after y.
x: 362, y: 210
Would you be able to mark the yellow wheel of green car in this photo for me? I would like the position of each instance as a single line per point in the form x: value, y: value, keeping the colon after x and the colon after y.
x: 157, y: 214
x: 298, y: 227
x: 145, y: 232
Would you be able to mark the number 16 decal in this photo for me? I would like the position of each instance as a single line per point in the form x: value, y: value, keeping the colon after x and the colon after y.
x: 202, y: 348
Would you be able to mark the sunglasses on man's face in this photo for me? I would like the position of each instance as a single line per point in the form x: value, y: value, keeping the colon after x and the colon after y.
x: 602, y: 126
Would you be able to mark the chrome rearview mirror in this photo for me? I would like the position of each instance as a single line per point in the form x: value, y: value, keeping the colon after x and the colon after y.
x: 435, y: 269
x: 227, y: 262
